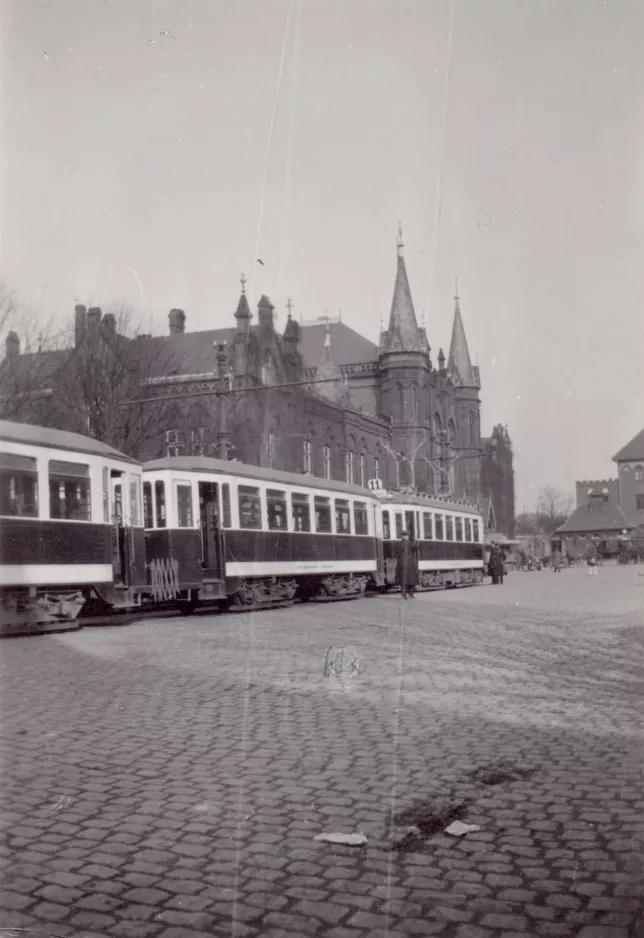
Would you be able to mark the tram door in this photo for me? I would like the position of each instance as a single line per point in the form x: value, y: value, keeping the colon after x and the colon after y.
x: 211, y: 542
x: 119, y: 539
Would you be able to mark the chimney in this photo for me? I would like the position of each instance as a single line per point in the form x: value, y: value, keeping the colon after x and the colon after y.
x: 109, y: 323
x: 177, y: 320
x: 12, y: 345
x: 265, y: 314
x: 79, y: 324
x: 93, y: 319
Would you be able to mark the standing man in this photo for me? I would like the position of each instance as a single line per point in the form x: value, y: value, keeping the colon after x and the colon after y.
x: 556, y: 561
x: 407, y: 566
x: 496, y: 566
x: 591, y: 559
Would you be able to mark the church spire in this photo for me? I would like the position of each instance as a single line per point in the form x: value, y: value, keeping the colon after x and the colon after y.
x: 329, y: 371
x: 402, y: 334
x: 459, y: 364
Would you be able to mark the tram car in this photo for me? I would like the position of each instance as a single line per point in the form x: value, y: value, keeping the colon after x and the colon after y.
x: 71, y: 527
x: 219, y: 531
x: 449, y: 534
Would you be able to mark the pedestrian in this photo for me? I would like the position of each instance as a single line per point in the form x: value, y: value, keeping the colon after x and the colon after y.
x: 496, y: 566
x: 556, y: 561
x: 407, y: 565
x: 591, y: 559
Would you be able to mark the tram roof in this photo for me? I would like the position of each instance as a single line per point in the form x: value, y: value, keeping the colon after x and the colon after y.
x: 208, y: 464
x: 431, y: 501
x: 48, y: 438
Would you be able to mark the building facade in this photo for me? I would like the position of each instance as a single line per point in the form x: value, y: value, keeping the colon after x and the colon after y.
x: 630, y: 469
x: 318, y: 398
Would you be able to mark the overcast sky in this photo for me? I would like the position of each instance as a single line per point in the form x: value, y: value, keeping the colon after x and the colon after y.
x: 152, y: 150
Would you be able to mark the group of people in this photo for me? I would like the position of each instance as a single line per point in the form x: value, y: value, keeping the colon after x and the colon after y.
x: 407, y: 565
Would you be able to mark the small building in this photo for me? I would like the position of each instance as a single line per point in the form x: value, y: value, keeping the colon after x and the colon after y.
x: 599, y: 518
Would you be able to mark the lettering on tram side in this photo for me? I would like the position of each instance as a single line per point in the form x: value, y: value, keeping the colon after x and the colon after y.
x: 342, y: 663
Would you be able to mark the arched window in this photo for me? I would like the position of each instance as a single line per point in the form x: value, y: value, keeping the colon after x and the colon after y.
x: 415, y: 403
x: 400, y: 403
x: 473, y: 430
x: 639, y: 473
x: 438, y: 424
x: 451, y: 431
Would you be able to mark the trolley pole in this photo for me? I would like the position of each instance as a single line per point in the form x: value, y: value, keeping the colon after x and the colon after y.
x: 223, y: 436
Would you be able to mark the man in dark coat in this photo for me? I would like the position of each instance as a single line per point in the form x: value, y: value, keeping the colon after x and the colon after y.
x: 496, y: 566
x: 407, y: 565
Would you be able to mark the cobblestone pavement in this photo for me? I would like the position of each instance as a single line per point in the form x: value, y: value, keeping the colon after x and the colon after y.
x: 167, y: 779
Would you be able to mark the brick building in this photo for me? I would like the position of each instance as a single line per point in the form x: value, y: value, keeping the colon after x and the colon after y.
x: 317, y: 398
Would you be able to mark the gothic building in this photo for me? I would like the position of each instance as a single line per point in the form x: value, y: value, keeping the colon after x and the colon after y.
x: 320, y: 398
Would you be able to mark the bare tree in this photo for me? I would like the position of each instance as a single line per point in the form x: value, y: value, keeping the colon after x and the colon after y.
x: 553, y: 507
x: 31, y: 359
x: 115, y: 364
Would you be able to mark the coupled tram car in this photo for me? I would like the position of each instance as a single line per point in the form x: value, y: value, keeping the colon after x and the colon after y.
x: 86, y: 532
x: 219, y: 531
x: 71, y: 531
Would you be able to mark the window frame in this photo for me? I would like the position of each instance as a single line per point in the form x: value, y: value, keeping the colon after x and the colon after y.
x: 360, y: 508
x: 428, y: 525
x: 148, y: 505
x: 322, y: 502
x: 342, y: 506
x: 70, y: 479
x: 386, y: 525
x: 301, y: 499
x: 399, y: 523
x: 326, y: 461
x: 252, y: 492
x: 449, y: 528
x: 24, y: 472
x: 274, y: 497
x: 184, y: 484
x: 459, y: 535
x: 160, y: 504
x: 439, y: 526
x: 306, y: 456
x: 639, y: 496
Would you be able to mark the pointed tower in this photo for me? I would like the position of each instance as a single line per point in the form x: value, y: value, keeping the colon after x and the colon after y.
x: 467, y: 409
x: 403, y: 334
x: 404, y: 370
x: 329, y: 371
x: 243, y: 317
x: 459, y: 363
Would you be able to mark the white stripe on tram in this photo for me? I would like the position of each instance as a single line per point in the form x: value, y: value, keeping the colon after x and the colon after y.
x: 56, y: 574
x: 293, y: 567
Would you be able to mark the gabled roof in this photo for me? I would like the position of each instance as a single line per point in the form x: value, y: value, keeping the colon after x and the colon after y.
x: 487, y: 510
x: 349, y: 347
x: 329, y: 372
x: 402, y: 334
x: 634, y: 449
x: 459, y: 363
x: 594, y: 517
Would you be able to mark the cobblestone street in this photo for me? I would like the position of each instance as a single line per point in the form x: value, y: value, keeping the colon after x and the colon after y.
x: 168, y: 779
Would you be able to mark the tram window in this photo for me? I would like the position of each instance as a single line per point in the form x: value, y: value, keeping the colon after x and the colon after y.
x: 135, y: 501
x: 386, y: 526
x: 468, y: 529
x: 184, y: 504
x: 69, y: 491
x: 276, y: 503
x: 118, y: 504
x: 322, y: 514
x: 148, y: 516
x: 301, y: 511
x: 475, y: 530
x: 449, y: 528
x: 459, y: 528
x: 342, y: 516
x: 106, y: 495
x: 360, y: 518
x: 438, y: 527
x: 18, y: 486
x: 225, y: 504
x: 250, y: 510
x: 427, y: 525
x: 399, y: 525
x: 159, y: 503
